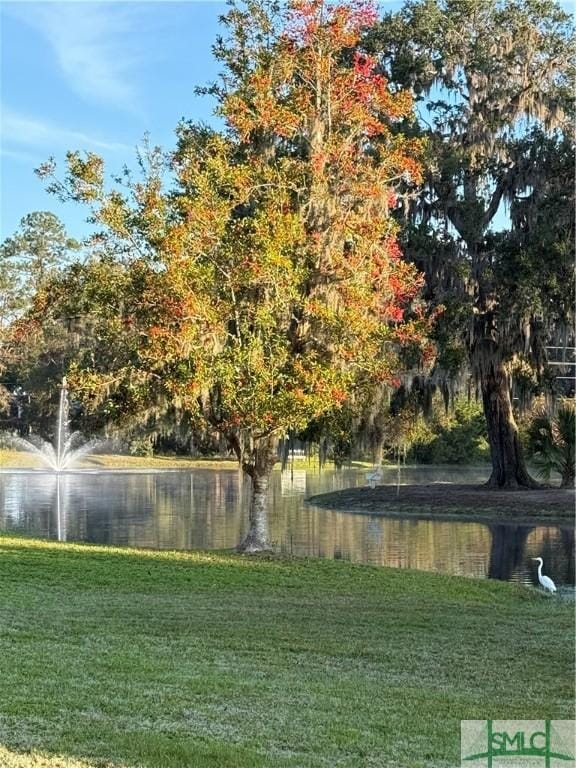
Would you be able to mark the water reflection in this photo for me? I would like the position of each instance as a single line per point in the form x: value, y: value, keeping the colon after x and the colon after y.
x: 204, y: 509
x: 507, y: 546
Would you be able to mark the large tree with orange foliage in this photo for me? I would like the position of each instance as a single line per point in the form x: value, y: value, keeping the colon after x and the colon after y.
x: 272, y: 289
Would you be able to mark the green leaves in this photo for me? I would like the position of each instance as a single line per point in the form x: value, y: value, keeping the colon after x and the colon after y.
x: 551, y: 442
x: 264, y: 287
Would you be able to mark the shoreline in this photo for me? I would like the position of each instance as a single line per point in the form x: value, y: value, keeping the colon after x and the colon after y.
x: 446, y: 501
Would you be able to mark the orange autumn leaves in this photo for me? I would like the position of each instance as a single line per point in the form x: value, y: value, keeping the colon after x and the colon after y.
x: 286, y: 93
x: 277, y: 291
x: 287, y: 230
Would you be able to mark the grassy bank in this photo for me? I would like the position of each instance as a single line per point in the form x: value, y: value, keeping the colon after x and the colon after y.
x: 11, y: 459
x: 170, y: 660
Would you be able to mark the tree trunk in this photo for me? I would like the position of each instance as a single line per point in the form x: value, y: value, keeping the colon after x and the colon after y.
x: 568, y: 477
x: 259, y: 467
x: 567, y: 539
x: 508, y: 466
x: 507, y: 549
x: 258, y: 538
x: 378, y: 449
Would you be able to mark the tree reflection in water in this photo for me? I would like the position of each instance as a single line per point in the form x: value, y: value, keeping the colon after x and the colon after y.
x: 567, y: 539
x: 507, y: 549
x: 205, y: 509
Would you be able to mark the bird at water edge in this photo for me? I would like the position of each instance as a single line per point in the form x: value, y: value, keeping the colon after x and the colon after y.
x: 546, y: 581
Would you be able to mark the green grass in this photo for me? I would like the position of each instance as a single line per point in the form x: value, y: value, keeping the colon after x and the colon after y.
x: 177, y: 660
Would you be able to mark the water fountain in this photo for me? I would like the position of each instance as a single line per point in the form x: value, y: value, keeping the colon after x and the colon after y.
x: 67, y: 447
x: 202, y: 509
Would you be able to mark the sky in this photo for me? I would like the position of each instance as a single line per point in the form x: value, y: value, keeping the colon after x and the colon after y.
x: 97, y: 76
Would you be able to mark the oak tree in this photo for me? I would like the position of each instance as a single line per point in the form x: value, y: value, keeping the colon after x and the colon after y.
x: 494, y: 81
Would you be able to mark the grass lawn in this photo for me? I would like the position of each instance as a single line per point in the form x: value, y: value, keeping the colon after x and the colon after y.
x: 188, y: 660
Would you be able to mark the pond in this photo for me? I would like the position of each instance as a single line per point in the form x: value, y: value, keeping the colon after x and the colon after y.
x: 206, y: 509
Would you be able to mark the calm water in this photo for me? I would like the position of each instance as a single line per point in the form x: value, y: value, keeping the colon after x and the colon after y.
x: 204, y: 509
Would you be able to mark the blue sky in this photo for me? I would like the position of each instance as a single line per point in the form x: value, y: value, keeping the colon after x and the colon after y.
x: 97, y: 76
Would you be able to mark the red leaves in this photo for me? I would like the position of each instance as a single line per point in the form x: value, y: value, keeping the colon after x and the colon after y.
x: 369, y: 86
x: 396, y: 285
x: 363, y: 65
x: 392, y: 248
x: 365, y: 13
x: 311, y: 19
x: 395, y: 314
x: 338, y: 395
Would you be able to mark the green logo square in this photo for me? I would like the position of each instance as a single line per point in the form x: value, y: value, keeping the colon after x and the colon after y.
x: 517, y: 744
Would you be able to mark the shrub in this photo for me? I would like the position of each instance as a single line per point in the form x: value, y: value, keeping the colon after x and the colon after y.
x: 458, y: 437
x: 141, y: 446
x: 550, y: 441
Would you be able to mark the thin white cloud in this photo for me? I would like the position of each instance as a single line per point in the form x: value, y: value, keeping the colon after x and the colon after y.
x: 23, y: 130
x: 93, y: 45
x: 28, y: 158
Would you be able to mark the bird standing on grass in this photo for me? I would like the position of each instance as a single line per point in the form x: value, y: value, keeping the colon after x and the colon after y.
x: 546, y: 581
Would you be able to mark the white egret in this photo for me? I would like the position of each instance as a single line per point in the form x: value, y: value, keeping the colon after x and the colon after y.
x: 546, y: 581
x: 374, y: 476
